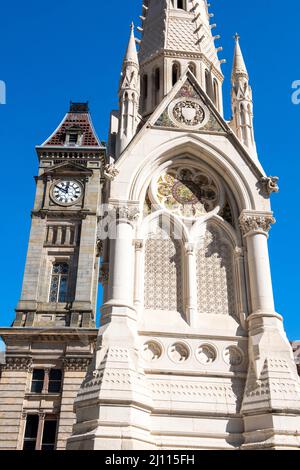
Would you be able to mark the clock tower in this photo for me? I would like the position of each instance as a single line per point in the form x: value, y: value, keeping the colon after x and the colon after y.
x: 51, y: 341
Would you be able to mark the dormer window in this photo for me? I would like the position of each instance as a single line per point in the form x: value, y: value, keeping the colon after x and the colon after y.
x: 73, y: 139
x: 74, y: 136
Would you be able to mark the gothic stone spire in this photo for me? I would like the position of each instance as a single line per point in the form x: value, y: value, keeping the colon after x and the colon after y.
x: 241, y: 100
x: 176, y: 34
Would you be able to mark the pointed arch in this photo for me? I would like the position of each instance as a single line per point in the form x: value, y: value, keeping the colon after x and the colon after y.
x: 193, y: 69
x: 216, y: 283
x: 193, y: 146
x: 163, y: 265
x: 216, y: 93
x: 176, y: 71
x: 156, y: 85
x: 144, y: 91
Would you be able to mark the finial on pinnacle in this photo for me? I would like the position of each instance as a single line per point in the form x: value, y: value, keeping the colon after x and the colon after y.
x: 237, y: 37
x: 132, y: 27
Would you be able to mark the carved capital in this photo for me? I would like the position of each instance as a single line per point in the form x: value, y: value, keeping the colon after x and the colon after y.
x: 238, y: 252
x: 139, y: 245
x: 269, y: 185
x: 110, y: 171
x: 129, y: 213
x: 255, y: 222
x: 189, y: 248
x: 76, y: 364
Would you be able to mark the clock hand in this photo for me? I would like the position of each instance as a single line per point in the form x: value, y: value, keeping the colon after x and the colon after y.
x: 62, y: 189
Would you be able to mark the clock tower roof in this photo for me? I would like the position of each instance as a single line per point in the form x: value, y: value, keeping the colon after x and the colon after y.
x: 76, y: 130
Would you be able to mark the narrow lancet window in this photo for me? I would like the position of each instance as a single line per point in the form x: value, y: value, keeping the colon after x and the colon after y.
x: 175, y: 73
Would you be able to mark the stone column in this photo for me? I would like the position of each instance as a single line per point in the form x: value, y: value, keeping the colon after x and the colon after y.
x: 191, y: 285
x: 271, y: 414
x: 113, y: 404
x: 138, y: 274
x: 121, y: 262
x: 39, y: 439
x: 255, y: 228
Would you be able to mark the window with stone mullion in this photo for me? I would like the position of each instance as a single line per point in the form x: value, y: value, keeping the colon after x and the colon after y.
x: 59, y: 283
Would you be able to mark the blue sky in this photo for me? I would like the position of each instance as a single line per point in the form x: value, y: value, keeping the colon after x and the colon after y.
x: 52, y: 52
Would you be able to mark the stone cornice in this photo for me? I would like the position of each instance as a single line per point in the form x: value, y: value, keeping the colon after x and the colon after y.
x: 49, y: 334
x: 185, y: 55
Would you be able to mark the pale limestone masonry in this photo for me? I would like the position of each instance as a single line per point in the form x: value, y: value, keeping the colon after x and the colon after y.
x: 191, y: 353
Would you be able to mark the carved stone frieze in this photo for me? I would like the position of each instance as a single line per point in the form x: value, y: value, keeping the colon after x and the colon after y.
x: 76, y: 364
x: 18, y: 363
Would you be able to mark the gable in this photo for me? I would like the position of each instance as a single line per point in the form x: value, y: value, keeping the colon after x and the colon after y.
x: 68, y: 168
x: 190, y: 109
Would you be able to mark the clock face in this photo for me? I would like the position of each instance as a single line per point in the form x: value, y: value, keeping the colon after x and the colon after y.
x: 67, y: 192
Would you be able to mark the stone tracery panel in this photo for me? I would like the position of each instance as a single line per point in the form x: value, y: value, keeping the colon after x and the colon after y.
x: 215, y: 274
x: 163, y: 271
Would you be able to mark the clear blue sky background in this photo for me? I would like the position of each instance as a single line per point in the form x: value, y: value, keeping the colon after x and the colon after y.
x: 54, y: 51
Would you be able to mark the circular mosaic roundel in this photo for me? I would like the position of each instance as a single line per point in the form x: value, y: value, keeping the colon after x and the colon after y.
x: 189, y: 113
x: 186, y: 192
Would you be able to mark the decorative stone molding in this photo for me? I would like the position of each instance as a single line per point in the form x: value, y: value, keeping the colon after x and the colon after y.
x: 110, y: 171
x: 18, y: 363
x: 76, y: 364
x: 269, y: 185
x: 256, y: 223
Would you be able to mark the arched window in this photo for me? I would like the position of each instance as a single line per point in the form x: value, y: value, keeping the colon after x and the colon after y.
x: 59, y: 283
x: 145, y: 87
x: 163, y: 270
x: 192, y: 68
x: 207, y: 81
x: 216, y: 93
x: 181, y: 4
x: 215, y: 274
x: 175, y: 73
x: 156, y: 85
